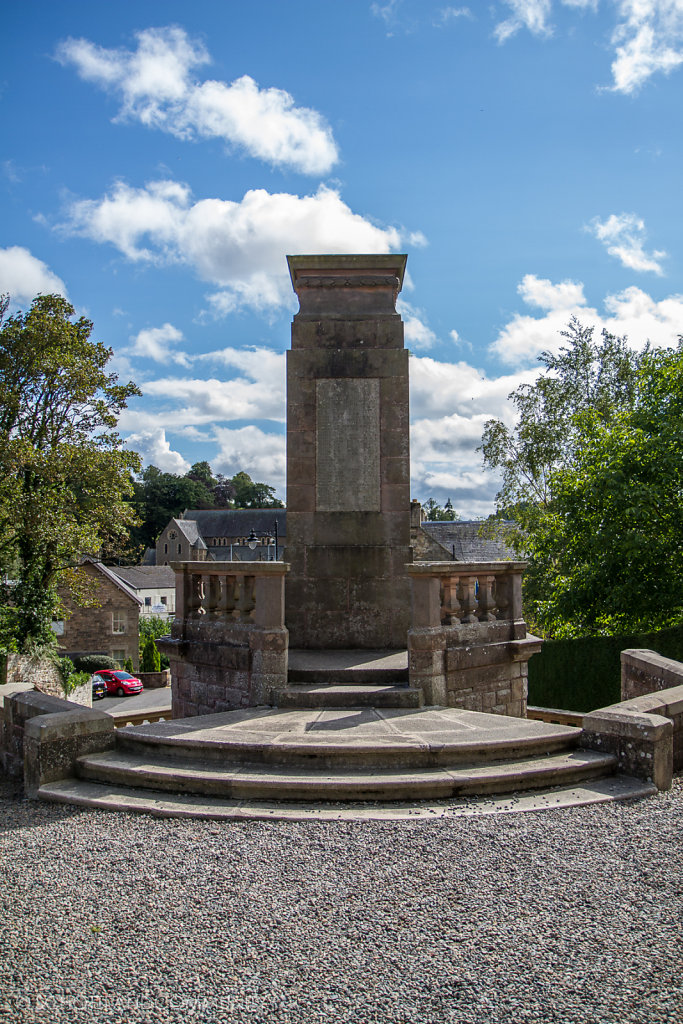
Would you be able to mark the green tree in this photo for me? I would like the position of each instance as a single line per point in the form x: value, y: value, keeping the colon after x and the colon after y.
x: 592, y: 475
x: 608, y: 549
x: 64, y: 472
x: 159, y: 497
x: 249, y: 494
x: 151, y: 660
x: 438, y: 513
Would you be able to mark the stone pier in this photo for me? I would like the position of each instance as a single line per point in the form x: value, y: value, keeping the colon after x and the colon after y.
x: 348, y: 460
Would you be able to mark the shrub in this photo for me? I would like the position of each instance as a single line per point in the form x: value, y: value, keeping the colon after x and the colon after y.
x: 128, y: 665
x: 70, y: 679
x: 151, y: 661
x: 92, y: 662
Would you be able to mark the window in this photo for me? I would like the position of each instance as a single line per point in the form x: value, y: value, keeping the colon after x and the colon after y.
x: 119, y: 654
x: 165, y: 549
x: 148, y: 601
x: 180, y: 548
x: 163, y: 599
x: 118, y: 623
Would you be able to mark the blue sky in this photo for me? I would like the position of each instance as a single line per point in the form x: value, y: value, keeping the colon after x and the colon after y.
x: 159, y: 160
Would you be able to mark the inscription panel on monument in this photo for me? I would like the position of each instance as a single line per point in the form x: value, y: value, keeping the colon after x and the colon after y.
x: 347, y: 445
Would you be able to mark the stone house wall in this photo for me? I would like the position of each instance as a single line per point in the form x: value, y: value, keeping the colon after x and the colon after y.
x: 111, y: 628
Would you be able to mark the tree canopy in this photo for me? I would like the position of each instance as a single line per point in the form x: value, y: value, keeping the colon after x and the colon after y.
x: 159, y: 497
x: 64, y: 473
x: 593, y: 476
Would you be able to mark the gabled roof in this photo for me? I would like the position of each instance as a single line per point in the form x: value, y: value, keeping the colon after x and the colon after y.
x: 462, y: 540
x: 190, y: 530
x: 236, y: 522
x: 146, y: 577
x: 113, y: 578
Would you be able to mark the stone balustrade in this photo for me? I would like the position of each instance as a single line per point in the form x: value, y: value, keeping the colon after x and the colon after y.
x: 228, y: 593
x: 468, y: 645
x: 228, y: 646
x: 468, y: 593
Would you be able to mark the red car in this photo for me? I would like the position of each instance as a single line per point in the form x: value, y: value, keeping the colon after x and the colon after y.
x: 119, y: 682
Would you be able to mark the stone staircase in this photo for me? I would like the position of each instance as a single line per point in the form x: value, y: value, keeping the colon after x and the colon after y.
x: 348, y: 734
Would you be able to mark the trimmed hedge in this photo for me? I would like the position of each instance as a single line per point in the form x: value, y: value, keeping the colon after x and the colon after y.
x: 92, y: 662
x: 585, y: 674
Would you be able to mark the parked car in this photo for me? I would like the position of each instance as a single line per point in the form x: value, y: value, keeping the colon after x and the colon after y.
x: 119, y: 682
x: 99, y: 687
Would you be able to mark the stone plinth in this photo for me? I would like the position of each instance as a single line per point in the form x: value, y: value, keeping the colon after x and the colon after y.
x: 468, y: 645
x: 348, y: 459
x: 228, y: 646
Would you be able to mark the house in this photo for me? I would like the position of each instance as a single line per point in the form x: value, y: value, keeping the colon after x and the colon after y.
x: 222, y: 535
x: 153, y: 584
x: 454, y: 540
x: 108, y: 626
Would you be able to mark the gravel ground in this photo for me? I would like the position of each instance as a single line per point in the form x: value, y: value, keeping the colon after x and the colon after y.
x: 563, y: 916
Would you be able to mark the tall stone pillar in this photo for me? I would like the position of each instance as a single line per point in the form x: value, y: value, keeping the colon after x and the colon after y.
x: 348, y: 459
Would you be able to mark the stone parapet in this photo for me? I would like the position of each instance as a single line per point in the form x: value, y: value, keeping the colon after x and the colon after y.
x: 228, y: 646
x: 641, y: 742
x: 468, y: 646
x: 44, y: 736
x: 644, y: 672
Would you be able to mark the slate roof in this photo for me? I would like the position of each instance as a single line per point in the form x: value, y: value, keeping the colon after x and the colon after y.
x: 113, y: 578
x: 463, y: 538
x: 236, y: 522
x: 146, y: 577
x: 190, y: 530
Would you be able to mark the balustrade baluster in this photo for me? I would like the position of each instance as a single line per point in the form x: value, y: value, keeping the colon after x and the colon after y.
x: 197, y: 595
x: 450, y: 606
x: 468, y: 599
x: 487, y: 604
x: 246, y: 602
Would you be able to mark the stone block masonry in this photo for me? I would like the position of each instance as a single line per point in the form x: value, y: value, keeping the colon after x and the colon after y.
x: 348, y: 458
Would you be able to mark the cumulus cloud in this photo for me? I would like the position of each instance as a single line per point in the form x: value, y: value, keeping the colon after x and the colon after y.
x: 260, y: 453
x: 631, y: 312
x: 239, y: 246
x: 539, y: 291
x: 623, y: 235
x: 157, y: 343
x: 23, y: 276
x: 417, y: 334
x: 155, y: 450
x: 156, y: 88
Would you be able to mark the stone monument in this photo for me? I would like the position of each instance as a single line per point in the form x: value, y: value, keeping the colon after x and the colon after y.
x: 348, y: 459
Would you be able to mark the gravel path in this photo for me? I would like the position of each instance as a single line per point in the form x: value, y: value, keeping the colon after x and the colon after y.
x: 563, y: 916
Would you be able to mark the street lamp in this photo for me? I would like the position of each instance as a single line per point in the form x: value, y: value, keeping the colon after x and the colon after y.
x: 252, y: 540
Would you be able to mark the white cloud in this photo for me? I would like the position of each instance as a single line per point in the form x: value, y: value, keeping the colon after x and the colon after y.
x: 259, y: 453
x: 417, y: 334
x: 440, y: 389
x: 530, y: 14
x: 623, y: 235
x: 155, y: 85
x: 240, y: 246
x: 157, y: 343
x: 631, y: 312
x: 537, y: 291
x: 449, y: 14
x: 156, y: 451
x: 23, y: 276
x: 648, y: 39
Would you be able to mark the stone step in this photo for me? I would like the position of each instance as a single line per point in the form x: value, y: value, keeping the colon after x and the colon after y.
x: 348, y: 695
x: 348, y: 738
x: 352, y: 668
x: 245, y: 782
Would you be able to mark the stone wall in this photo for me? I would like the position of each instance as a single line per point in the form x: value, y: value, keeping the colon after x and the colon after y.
x: 228, y: 647
x: 42, y: 736
x: 468, y: 646
x: 42, y: 674
x: 644, y: 672
x: 92, y: 629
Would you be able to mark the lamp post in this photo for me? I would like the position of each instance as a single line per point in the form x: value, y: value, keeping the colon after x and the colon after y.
x: 252, y: 540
